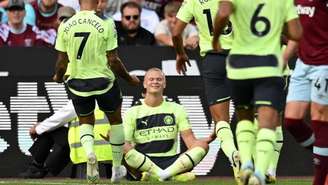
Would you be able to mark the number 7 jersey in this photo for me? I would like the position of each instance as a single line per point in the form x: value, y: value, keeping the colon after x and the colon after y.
x: 204, y: 11
x: 85, y: 38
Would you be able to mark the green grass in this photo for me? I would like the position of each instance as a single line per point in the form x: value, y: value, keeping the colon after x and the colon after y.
x: 198, y: 181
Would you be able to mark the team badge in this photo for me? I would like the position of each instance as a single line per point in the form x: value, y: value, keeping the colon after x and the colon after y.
x: 168, y: 120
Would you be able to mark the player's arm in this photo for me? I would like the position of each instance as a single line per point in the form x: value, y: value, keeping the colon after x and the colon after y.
x: 61, y: 67
x: 290, y: 50
x: 181, y: 58
x: 293, y: 26
x: 294, y: 30
x: 118, y: 68
x: 220, y: 22
x: 188, y: 137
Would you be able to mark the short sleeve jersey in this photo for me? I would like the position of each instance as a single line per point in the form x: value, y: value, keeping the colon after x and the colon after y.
x: 85, y: 38
x: 155, y: 130
x: 257, y: 27
x: 204, y: 11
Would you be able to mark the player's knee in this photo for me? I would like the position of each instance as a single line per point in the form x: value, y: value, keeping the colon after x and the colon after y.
x: 201, y: 144
x: 319, y: 112
x: 296, y: 110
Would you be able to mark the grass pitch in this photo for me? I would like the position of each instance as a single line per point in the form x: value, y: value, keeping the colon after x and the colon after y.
x: 198, y: 181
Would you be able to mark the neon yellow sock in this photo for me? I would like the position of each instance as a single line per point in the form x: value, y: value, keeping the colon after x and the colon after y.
x: 117, y: 141
x: 277, y: 148
x: 87, y: 138
x: 185, y: 162
x: 246, y: 134
x: 225, y: 136
x: 266, y: 140
x: 141, y: 162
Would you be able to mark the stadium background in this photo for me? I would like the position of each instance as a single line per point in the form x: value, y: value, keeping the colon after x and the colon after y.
x: 28, y: 95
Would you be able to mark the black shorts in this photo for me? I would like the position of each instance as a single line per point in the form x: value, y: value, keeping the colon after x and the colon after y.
x: 107, y: 102
x: 259, y: 92
x: 217, y: 88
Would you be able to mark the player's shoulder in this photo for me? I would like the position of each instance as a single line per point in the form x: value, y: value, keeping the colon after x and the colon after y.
x: 173, y: 105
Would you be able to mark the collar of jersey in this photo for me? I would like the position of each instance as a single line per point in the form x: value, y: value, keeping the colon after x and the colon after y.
x: 14, y: 31
x: 47, y: 14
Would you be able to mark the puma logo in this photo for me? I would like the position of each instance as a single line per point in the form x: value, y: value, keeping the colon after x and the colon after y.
x: 145, y: 123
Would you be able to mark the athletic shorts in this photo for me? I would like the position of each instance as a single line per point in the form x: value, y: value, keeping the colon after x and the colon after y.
x: 309, y: 83
x: 217, y: 88
x: 258, y: 92
x: 107, y: 102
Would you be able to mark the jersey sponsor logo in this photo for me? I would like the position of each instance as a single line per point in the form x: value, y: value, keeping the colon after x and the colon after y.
x: 305, y: 10
x: 160, y: 132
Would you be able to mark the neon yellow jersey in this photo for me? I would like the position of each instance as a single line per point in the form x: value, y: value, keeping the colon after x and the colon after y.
x: 155, y: 130
x: 204, y: 11
x: 85, y: 38
x: 258, y: 25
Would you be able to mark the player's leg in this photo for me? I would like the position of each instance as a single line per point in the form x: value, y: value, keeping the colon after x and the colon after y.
x: 186, y: 161
x: 111, y: 102
x: 218, y: 96
x: 319, y: 120
x: 268, y: 97
x: 297, y: 106
x: 84, y: 108
x: 242, y: 94
x: 271, y: 175
x: 138, y: 162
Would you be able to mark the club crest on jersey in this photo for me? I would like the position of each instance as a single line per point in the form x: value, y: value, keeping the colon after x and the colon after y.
x: 203, y: 1
x: 305, y: 10
x: 168, y: 120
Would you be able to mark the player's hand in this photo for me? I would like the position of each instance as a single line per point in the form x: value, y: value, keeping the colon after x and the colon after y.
x: 57, y: 79
x: 181, y: 62
x: 32, y: 132
x: 210, y: 138
x: 134, y: 80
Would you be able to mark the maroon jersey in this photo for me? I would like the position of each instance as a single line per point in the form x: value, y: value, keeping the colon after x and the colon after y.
x: 45, y: 21
x: 313, y: 49
x: 29, y: 36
